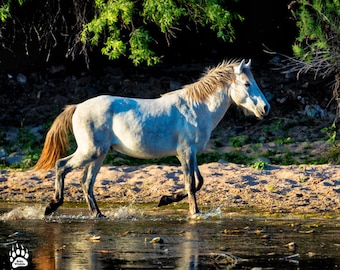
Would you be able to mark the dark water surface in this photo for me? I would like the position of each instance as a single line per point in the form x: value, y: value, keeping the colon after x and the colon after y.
x: 131, y: 239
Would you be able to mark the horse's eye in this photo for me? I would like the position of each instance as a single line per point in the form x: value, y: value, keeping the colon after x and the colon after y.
x: 247, y: 84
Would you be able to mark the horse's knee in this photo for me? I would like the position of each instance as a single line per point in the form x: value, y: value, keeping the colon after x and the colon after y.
x: 60, y: 163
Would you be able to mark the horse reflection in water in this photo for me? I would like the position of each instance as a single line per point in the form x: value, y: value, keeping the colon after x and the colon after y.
x: 66, y: 247
x: 178, y: 123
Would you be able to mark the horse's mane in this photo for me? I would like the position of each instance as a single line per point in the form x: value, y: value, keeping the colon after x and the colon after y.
x: 212, y: 80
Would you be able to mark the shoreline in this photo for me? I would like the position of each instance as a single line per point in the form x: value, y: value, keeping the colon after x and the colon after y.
x: 300, y: 189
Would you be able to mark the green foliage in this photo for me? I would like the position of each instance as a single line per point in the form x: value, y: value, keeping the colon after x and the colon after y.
x: 120, y: 28
x: 260, y: 165
x: 318, y: 24
x: 318, y: 42
x: 140, y: 52
x: 333, y: 154
x: 303, y: 179
x: 119, y: 25
x: 4, y: 11
x: 331, y: 133
x: 164, y: 13
x: 5, y: 8
x: 238, y: 141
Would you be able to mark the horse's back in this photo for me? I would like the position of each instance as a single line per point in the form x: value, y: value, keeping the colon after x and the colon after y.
x: 142, y: 128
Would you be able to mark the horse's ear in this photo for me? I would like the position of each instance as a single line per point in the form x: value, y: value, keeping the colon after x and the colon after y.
x: 239, y: 68
x: 248, y: 64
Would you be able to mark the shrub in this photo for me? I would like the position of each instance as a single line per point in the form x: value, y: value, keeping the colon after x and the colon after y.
x: 316, y: 48
x: 119, y: 27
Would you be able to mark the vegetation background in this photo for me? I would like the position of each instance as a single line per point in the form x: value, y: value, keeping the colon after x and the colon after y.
x: 299, y: 37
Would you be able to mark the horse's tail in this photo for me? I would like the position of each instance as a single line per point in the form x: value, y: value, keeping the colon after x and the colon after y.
x: 57, y: 141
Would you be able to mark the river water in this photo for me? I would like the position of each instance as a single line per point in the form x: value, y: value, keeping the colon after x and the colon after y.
x: 134, y: 238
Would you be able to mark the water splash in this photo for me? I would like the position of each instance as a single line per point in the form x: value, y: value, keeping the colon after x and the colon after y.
x: 214, y: 213
x: 124, y: 213
x: 24, y: 212
x: 59, y: 218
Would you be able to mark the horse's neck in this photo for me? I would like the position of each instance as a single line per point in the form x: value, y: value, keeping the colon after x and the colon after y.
x: 217, y: 105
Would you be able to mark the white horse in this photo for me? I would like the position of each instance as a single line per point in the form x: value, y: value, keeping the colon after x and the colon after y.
x: 178, y: 123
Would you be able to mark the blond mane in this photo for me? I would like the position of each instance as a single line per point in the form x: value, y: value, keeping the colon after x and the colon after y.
x: 212, y: 80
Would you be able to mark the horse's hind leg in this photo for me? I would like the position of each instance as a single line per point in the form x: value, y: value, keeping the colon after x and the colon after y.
x: 61, y: 171
x: 198, y: 178
x: 89, y: 177
x: 63, y: 167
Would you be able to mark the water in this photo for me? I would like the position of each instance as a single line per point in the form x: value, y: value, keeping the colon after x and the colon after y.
x: 137, y: 239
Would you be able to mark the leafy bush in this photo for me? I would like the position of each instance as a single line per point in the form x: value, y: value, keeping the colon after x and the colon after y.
x: 318, y: 23
x: 115, y: 18
x: 317, y: 45
x: 119, y: 27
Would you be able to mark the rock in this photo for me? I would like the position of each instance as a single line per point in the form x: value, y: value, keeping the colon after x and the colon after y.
x: 282, y: 100
x: 15, y: 158
x: 11, y: 135
x: 37, y: 132
x: 292, y: 246
x: 289, y: 75
x: 157, y: 240
x: 21, y: 78
x: 314, y: 111
x: 3, y: 153
x: 57, y: 69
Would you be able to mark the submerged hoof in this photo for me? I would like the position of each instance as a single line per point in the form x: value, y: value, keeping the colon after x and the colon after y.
x: 100, y: 216
x: 165, y: 200
x: 53, y: 206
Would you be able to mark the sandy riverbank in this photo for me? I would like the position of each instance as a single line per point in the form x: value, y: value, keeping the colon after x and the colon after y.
x: 294, y: 189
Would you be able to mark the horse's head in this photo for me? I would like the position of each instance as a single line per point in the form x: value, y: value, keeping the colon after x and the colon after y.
x: 246, y: 93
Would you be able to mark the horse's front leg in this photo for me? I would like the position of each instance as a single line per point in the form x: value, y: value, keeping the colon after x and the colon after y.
x: 189, y: 165
x: 180, y: 195
x: 190, y: 187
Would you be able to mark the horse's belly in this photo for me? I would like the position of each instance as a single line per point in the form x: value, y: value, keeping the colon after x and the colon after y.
x: 145, y: 138
x: 152, y: 150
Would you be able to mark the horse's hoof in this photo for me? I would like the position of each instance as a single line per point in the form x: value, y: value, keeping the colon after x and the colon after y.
x: 48, y: 210
x: 53, y: 206
x: 100, y: 216
x: 165, y: 200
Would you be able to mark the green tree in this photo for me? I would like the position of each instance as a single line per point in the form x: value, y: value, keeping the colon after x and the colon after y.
x: 317, y: 46
x: 116, y: 17
x: 120, y: 27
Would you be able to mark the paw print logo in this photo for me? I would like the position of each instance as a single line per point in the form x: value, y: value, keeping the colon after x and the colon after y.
x: 18, y: 256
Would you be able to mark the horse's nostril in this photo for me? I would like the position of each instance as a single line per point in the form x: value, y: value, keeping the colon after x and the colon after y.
x: 266, y: 109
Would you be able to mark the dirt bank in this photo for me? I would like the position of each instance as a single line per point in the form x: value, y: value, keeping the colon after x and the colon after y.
x: 294, y: 189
